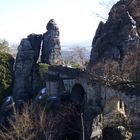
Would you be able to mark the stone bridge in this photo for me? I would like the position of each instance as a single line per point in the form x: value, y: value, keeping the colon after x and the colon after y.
x: 61, y: 79
x: 117, y: 108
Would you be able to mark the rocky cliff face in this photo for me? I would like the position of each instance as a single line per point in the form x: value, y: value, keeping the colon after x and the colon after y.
x: 26, y: 67
x: 51, y: 49
x: 115, y: 60
x: 28, y: 53
x: 115, y: 51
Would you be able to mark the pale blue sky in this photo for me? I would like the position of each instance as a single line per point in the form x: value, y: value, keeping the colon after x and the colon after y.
x: 75, y: 18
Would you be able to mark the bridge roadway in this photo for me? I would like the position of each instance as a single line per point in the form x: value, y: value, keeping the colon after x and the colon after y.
x: 64, y: 73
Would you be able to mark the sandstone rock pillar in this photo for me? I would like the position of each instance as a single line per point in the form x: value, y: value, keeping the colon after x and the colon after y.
x: 51, y: 49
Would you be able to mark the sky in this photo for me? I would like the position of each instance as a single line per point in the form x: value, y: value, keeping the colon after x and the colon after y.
x: 75, y: 18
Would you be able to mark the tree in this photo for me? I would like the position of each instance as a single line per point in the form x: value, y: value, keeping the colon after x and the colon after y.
x: 4, y: 46
x: 76, y: 57
x: 79, y: 55
x: 6, y: 74
x: 105, y: 6
x: 6, y: 69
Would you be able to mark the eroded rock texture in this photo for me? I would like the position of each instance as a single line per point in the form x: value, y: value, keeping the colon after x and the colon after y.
x: 27, y: 56
x: 115, y: 61
x: 51, y: 45
x: 115, y: 51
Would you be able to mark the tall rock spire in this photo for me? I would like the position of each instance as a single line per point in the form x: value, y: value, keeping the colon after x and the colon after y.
x: 27, y: 56
x: 51, y: 49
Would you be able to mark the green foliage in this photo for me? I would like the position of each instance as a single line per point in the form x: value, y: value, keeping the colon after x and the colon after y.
x: 42, y: 72
x: 75, y: 65
x: 39, y: 77
x: 43, y: 69
x: 4, y: 46
x: 6, y: 69
x: 6, y: 74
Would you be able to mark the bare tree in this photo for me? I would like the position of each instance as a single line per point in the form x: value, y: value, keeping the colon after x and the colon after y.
x: 79, y: 55
x: 76, y: 57
x: 105, y: 6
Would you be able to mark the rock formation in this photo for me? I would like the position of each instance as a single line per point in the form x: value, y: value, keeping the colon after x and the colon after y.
x: 35, y: 41
x: 27, y: 56
x: 116, y: 46
x: 115, y: 58
x: 26, y: 70
x: 51, y: 45
x: 115, y: 61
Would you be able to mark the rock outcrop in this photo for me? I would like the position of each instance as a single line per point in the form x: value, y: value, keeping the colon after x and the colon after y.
x: 115, y: 62
x: 27, y: 56
x: 26, y: 67
x: 115, y: 51
x: 51, y: 49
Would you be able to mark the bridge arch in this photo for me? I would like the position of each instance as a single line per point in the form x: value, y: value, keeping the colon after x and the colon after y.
x: 111, y: 133
x: 78, y: 94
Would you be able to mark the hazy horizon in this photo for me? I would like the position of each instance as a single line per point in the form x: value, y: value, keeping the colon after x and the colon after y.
x: 76, y: 19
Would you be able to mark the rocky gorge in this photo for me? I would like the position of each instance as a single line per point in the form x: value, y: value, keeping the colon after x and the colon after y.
x: 98, y: 103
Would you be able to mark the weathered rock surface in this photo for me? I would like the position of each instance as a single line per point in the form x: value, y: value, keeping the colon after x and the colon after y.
x: 116, y: 46
x: 28, y: 53
x: 35, y: 41
x: 51, y: 49
x: 115, y: 61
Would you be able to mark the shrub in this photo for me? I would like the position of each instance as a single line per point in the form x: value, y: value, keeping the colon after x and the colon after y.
x: 43, y: 69
x: 4, y: 46
x: 39, y: 123
x: 6, y: 74
x: 25, y: 125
